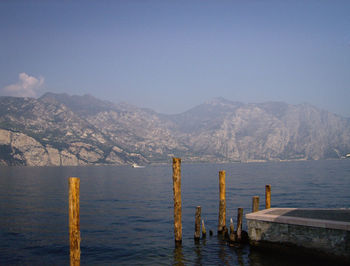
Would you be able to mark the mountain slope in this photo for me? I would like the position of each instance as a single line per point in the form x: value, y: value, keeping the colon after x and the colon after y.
x: 268, y: 131
x: 58, y: 129
x: 56, y: 134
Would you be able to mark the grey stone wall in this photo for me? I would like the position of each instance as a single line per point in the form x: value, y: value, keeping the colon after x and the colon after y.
x: 331, y: 241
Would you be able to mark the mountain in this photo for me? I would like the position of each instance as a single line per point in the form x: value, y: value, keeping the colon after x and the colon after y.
x: 59, y: 129
x: 45, y: 131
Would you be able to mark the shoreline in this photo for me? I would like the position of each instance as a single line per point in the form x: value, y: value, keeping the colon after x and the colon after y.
x: 186, y: 162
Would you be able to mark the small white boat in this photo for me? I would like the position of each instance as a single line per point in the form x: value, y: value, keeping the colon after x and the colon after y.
x: 134, y: 165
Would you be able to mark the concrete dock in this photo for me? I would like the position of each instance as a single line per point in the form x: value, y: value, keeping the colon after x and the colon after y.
x: 318, y: 231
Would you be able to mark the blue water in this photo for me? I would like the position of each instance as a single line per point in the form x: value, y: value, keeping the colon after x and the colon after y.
x: 126, y: 214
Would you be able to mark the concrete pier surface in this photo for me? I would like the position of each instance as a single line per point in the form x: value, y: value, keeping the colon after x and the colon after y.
x: 317, y: 231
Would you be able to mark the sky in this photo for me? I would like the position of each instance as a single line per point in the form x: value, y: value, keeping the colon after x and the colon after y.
x: 173, y: 55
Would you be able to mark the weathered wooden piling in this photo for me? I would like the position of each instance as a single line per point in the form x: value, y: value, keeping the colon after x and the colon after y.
x: 232, y: 231
x: 255, y: 205
x: 197, y: 223
x: 267, y: 196
x: 239, y: 223
x: 177, y: 200
x: 225, y: 233
x: 232, y: 226
x: 74, y: 223
x: 204, y: 231
x: 222, y: 203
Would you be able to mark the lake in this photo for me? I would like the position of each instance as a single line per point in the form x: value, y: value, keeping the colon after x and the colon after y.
x: 126, y: 214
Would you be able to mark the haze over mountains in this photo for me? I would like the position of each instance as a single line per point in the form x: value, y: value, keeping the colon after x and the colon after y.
x: 58, y: 129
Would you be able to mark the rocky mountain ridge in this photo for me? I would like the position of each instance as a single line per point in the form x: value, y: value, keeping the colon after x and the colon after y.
x: 59, y: 129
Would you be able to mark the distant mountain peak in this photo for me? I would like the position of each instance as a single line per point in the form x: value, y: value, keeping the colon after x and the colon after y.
x: 80, y: 103
x: 222, y: 101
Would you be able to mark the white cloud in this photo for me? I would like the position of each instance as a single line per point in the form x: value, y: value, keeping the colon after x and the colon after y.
x: 27, y: 86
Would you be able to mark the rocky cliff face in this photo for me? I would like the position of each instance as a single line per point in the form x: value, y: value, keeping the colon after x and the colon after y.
x: 58, y: 129
x: 47, y: 132
x: 268, y: 131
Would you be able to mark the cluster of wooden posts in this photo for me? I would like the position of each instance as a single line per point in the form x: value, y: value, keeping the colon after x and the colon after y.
x: 238, y: 236
x: 232, y: 236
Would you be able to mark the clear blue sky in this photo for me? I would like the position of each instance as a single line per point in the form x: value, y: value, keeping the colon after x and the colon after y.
x: 172, y: 55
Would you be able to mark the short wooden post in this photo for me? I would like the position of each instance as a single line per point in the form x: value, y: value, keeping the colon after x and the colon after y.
x: 239, y: 223
x: 177, y: 199
x: 74, y: 223
x: 222, y: 203
x: 255, y: 206
x: 225, y: 232
x: 232, y: 231
x: 232, y: 226
x: 197, y: 223
x: 204, y: 231
x: 267, y: 196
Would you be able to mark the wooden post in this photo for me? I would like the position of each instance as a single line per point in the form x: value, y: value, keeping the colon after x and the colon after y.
x: 197, y: 223
x: 232, y: 231
x: 222, y: 204
x: 74, y: 223
x: 204, y: 231
x: 255, y: 206
x: 232, y: 227
x: 267, y: 196
x: 225, y: 232
x: 177, y: 199
x: 239, y: 223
